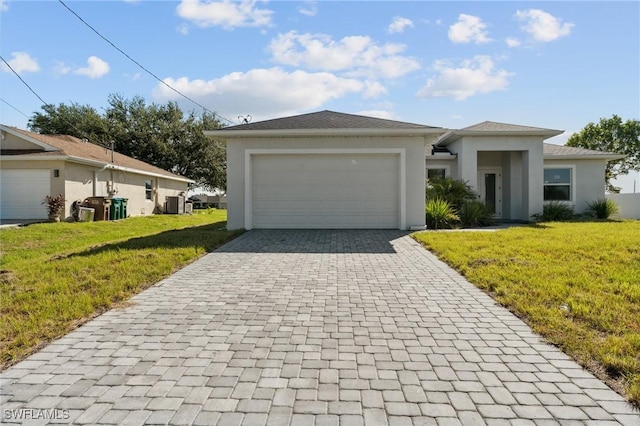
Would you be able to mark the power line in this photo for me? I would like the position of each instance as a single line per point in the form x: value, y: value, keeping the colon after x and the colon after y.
x: 23, y: 82
x: 16, y: 109
x: 140, y: 65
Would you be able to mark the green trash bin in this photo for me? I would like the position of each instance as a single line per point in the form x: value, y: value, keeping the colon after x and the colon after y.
x: 115, y: 212
x: 124, y: 208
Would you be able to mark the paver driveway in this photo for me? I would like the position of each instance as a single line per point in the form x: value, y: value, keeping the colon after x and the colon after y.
x: 309, y: 327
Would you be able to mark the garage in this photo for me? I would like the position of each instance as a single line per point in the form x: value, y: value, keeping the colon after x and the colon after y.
x: 22, y: 192
x: 326, y: 170
x: 327, y: 191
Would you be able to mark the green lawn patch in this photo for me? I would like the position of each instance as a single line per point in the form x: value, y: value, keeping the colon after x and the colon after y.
x: 56, y: 276
x: 577, y: 284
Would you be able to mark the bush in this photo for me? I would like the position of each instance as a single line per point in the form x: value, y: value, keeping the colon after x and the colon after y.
x: 475, y: 213
x: 55, y: 205
x: 455, y: 192
x: 440, y: 214
x: 603, y: 209
x: 555, y: 211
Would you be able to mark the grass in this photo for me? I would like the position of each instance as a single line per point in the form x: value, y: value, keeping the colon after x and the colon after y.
x: 56, y: 276
x: 577, y: 284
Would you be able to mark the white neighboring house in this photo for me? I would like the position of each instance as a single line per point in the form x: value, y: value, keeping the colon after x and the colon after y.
x: 334, y: 170
x: 33, y: 166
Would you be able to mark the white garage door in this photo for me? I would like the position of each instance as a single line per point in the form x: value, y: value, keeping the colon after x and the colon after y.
x: 328, y: 191
x: 22, y: 192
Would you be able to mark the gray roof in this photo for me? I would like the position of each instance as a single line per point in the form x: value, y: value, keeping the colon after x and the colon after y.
x: 551, y: 150
x: 492, y: 126
x: 327, y: 120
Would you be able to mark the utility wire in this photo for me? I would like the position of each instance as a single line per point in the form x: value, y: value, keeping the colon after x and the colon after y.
x: 16, y: 109
x: 24, y: 82
x: 140, y: 65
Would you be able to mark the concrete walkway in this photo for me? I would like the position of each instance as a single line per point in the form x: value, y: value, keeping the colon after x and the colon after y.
x: 309, y: 328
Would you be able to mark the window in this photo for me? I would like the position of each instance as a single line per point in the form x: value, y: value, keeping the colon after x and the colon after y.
x: 436, y: 173
x: 557, y: 184
x: 148, y: 189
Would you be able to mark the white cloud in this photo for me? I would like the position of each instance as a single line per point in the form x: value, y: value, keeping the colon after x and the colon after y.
x: 354, y: 55
x: 399, y: 24
x: 469, y: 29
x: 263, y: 93
x: 512, y: 42
x: 226, y: 13
x: 183, y: 29
x: 60, y: 68
x: 543, y: 26
x: 95, y: 68
x: 472, y: 77
x: 387, y: 115
x: 310, y: 8
x: 4, y: 6
x: 21, y: 62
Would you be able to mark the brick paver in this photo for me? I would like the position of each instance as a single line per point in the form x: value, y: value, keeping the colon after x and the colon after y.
x: 309, y: 327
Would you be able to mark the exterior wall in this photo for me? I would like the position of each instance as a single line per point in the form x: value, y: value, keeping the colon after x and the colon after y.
x: 76, y: 182
x: 57, y: 183
x: 13, y: 142
x: 629, y: 205
x: 520, y: 157
x: 414, y: 166
x: 588, y: 180
x: 443, y: 162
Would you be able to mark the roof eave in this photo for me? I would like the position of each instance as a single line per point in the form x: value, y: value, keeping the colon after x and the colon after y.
x: 30, y: 139
x: 607, y: 157
x: 457, y: 134
x: 275, y: 133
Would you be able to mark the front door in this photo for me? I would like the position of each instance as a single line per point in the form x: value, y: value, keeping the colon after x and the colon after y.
x: 490, y: 189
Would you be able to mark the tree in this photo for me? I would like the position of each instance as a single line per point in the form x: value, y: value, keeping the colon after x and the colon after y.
x: 612, y: 135
x: 160, y: 135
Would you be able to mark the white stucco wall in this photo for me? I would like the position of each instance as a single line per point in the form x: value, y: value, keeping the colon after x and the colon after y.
x: 520, y: 158
x: 588, y: 180
x: 413, y: 147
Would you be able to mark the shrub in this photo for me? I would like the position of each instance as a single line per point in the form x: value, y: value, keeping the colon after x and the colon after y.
x: 440, y: 214
x: 555, y: 211
x: 456, y: 192
x: 475, y: 213
x: 55, y: 205
x: 603, y: 209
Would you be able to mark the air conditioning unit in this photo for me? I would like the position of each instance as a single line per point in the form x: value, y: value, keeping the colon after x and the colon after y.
x: 174, y: 205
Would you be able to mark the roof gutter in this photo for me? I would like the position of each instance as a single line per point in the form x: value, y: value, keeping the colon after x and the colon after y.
x: 280, y: 133
x: 93, y: 163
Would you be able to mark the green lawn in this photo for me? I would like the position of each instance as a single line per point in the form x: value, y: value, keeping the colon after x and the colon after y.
x: 55, y: 276
x: 577, y: 284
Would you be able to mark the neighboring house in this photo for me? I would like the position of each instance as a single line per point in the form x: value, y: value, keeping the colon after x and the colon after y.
x: 335, y: 170
x: 203, y: 201
x: 33, y: 166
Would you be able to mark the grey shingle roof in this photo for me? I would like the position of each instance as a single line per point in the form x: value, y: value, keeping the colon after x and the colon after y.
x: 493, y: 126
x: 328, y: 120
x: 550, y: 149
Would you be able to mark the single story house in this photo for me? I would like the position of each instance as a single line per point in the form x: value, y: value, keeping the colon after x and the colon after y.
x: 203, y: 201
x: 334, y: 170
x: 33, y: 166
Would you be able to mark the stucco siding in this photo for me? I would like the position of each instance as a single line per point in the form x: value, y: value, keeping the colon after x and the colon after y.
x: 588, y: 182
x: 414, y: 166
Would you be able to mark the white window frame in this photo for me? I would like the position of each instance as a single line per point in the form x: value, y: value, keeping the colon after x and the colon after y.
x: 446, y: 168
x: 572, y: 182
x: 148, y: 192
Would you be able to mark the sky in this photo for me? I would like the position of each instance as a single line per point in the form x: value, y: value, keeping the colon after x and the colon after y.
x: 558, y: 65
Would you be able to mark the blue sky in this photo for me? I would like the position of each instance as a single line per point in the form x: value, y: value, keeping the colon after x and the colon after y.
x: 557, y: 65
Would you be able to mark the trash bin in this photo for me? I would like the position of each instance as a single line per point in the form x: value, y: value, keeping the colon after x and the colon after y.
x: 86, y: 214
x: 116, y: 209
x: 124, y: 208
x: 101, y: 205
